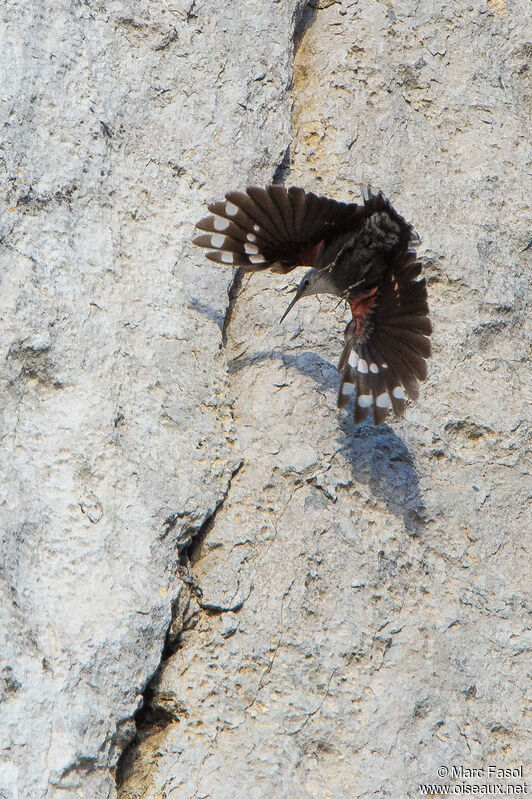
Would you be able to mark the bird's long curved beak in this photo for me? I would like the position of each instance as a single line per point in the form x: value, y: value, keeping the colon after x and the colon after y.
x: 298, y: 295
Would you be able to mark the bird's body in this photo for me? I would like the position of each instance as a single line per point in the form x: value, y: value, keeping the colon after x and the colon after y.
x: 360, y: 258
x: 362, y: 253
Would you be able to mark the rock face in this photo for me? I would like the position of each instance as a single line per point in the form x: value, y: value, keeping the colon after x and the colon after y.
x: 297, y: 607
x: 118, y: 438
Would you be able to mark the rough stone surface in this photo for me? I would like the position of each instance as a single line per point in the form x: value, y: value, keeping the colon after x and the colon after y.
x: 117, y: 431
x: 354, y: 609
x: 383, y: 630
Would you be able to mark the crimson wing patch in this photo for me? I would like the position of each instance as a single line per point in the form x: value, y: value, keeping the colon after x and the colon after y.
x: 386, y: 343
x: 273, y: 228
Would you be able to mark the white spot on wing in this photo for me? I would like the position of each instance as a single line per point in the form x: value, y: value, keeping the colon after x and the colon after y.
x: 231, y: 209
x: 256, y: 259
x: 227, y: 257
x: 353, y: 359
x: 399, y: 392
x: 364, y: 400
x: 251, y: 248
x: 221, y: 224
x: 374, y: 368
x: 217, y: 240
x: 256, y: 228
x: 362, y: 367
x: 384, y: 365
x: 251, y: 237
x: 347, y: 389
x: 382, y: 401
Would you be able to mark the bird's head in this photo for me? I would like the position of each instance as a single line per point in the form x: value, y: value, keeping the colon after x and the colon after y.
x: 315, y: 281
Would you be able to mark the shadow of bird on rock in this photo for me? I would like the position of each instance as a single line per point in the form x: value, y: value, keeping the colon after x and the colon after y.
x: 378, y: 456
x: 380, y: 459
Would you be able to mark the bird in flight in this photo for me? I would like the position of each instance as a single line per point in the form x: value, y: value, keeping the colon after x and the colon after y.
x: 363, y: 253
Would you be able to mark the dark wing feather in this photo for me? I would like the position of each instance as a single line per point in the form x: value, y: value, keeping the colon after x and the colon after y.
x: 386, y: 357
x: 273, y: 228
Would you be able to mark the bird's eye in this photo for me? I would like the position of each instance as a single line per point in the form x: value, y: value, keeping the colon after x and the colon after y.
x: 306, y: 282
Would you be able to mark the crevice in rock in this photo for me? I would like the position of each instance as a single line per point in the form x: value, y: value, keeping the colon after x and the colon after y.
x: 283, y: 169
x: 158, y: 711
x: 153, y: 716
x: 233, y: 292
x: 190, y: 554
x: 304, y: 18
x: 280, y: 174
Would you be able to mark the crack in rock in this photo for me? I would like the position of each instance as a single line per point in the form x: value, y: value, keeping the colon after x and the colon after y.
x: 153, y: 717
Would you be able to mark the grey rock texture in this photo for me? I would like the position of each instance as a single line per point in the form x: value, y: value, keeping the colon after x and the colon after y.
x: 334, y: 611
x: 384, y: 629
x: 117, y: 432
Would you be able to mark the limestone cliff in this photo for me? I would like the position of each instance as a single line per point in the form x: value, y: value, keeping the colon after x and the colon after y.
x: 205, y: 565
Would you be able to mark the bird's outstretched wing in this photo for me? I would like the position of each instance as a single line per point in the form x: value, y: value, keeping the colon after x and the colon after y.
x: 274, y: 228
x: 386, y: 342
